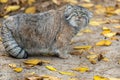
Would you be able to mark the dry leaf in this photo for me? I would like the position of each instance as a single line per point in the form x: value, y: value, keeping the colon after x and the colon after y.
x: 47, y: 77
x: 104, y: 43
x: 73, y: 79
x: 18, y: 69
x: 32, y: 62
x: 87, y: 5
x: 51, y: 68
x: 105, y: 59
x: 100, y: 10
x: 82, y: 47
x: 58, y: 2
x: 93, y: 61
x: 12, y: 65
x: 33, y: 77
x: 12, y: 8
x: 117, y: 11
x: 30, y: 10
x: 82, y: 69
x: 67, y: 73
x: 117, y: 27
x: 94, y: 23
x: 3, y: 1
x: 92, y: 56
x: 87, y: 31
x: 71, y: 1
x: 96, y: 77
x: 30, y: 2
x: 110, y: 34
x: 6, y: 16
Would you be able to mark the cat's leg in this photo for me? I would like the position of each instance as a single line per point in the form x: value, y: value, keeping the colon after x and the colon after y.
x: 63, y: 52
x: 11, y: 45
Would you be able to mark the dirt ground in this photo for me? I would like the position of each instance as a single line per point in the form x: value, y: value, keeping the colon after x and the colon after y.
x: 102, y: 68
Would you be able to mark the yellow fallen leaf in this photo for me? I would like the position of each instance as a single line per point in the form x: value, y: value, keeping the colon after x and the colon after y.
x: 6, y: 16
x: 47, y: 77
x: 87, y: 31
x: 117, y: 27
x: 117, y: 11
x: 30, y: 10
x: 87, y: 47
x: 0, y: 39
x: 51, y: 68
x: 110, y: 34
x: 114, y: 38
x: 92, y: 56
x: 30, y: 2
x: 71, y: 1
x: 100, y: 10
x: 73, y: 79
x: 87, y: 1
x: 18, y: 69
x: 3, y: 1
x: 67, y: 73
x: 92, y: 61
x: 12, y: 65
x: 104, y: 43
x: 119, y: 62
x: 94, y: 23
x: 96, y: 77
x: 12, y: 8
x: 87, y: 5
x: 105, y: 32
x: 58, y: 2
x: 32, y: 61
x: 105, y: 59
x: 106, y: 29
x: 82, y: 69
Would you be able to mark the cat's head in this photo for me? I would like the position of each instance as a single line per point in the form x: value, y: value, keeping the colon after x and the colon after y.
x: 77, y: 16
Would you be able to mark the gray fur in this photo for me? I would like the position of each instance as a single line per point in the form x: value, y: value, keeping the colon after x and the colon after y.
x: 43, y: 33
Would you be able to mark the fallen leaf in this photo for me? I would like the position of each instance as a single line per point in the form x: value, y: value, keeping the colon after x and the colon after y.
x: 87, y: 47
x: 51, y: 68
x: 71, y: 1
x: 96, y: 77
x: 82, y: 69
x: 12, y: 65
x: 117, y: 11
x: 67, y: 73
x: 104, y: 43
x: 73, y: 79
x: 100, y: 10
x: 94, y: 23
x: 18, y: 69
x: 105, y: 59
x: 12, y: 8
x: 92, y: 61
x: 1, y: 39
x: 33, y: 77
x: 117, y: 27
x: 3, y: 1
x: 47, y: 77
x: 87, y: 31
x: 30, y: 10
x: 32, y: 62
x: 30, y: 2
x: 6, y: 16
x: 58, y: 2
x: 110, y: 34
x: 87, y: 5
x: 92, y: 56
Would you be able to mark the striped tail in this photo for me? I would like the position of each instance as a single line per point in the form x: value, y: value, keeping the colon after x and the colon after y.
x: 11, y: 45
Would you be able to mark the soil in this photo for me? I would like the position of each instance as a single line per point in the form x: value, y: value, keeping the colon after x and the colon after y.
x: 102, y: 68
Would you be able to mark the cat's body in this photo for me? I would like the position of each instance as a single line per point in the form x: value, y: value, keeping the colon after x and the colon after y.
x: 44, y: 33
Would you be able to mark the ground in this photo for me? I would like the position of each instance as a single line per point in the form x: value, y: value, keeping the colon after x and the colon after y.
x: 107, y: 69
